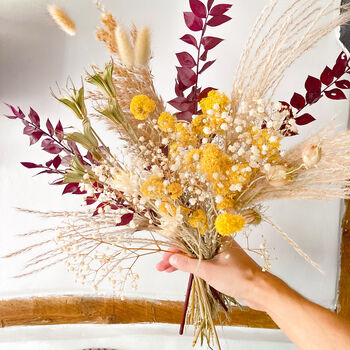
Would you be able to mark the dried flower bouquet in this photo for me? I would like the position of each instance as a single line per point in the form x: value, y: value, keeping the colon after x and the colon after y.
x: 201, y: 174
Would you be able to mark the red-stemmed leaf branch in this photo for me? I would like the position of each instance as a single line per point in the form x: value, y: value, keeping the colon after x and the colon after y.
x: 330, y: 84
x: 191, y: 67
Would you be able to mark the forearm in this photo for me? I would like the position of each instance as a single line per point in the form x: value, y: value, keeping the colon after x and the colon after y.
x: 307, y: 325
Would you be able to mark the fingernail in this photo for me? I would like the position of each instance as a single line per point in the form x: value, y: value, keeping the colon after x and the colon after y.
x: 173, y: 260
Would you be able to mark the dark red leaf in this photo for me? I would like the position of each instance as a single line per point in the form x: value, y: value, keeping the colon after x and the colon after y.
x: 50, y: 128
x: 10, y: 116
x: 190, y: 39
x: 49, y: 163
x: 184, y: 116
x: 313, y: 84
x: 178, y: 90
x: 218, y: 20
x: 210, y: 4
x: 186, y: 60
x: 53, y: 148
x: 57, y: 182
x: 198, y: 8
x: 46, y: 172
x: 17, y: 114
x: 126, y: 218
x: 205, y: 93
x: 182, y: 104
x: 35, y: 137
x: 206, y: 66
x: 209, y: 42
x: 327, y: 76
x: 298, y: 101
x: 313, y: 97
x: 66, y: 160
x: 59, y: 131
x: 28, y: 130
x: 340, y: 67
x: 46, y: 142
x: 186, y: 76
x: 204, y: 55
x: 193, y: 22
x: 56, y: 161
x: 343, y: 84
x: 31, y: 165
x: 90, y: 200
x: 71, y: 188
x: 34, y: 117
x: 220, y: 9
x: 335, y: 94
x: 304, y: 119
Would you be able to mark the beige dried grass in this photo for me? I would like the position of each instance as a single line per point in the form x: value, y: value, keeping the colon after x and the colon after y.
x: 275, y: 44
x: 142, y: 47
x: 62, y: 19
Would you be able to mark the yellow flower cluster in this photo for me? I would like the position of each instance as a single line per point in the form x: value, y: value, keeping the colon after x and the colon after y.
x: 166, y: 122
x: 141, y: 106
x: 174, y: 190
x: 167, y: 208
x: 215, y: 101
x: 267, y: 143
x: 153, y: 187
x: 227, y: 224
x: 226, y: 203
x: 214, y: 161
x: 199, y: 221
x: 213, y: 106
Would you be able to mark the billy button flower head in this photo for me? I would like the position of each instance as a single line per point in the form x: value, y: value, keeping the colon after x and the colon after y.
x: 227, y: 224
x: 142, y: 106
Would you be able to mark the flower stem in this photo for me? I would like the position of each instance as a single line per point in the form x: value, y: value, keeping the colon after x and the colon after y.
x: 188, y: 293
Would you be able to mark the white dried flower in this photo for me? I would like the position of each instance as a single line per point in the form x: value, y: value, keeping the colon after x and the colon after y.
x: 277, y: 176
x: 311, y: 155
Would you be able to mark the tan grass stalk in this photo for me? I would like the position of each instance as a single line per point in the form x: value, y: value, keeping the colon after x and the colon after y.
x: 62, y: 19
x: 275, y: 44
x: 142, y: 47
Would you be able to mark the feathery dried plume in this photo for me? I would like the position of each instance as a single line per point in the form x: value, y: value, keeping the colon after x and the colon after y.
x: 62, y: 19
x: 126, y: 51
x: 275, y: 44
x: 142, y: 47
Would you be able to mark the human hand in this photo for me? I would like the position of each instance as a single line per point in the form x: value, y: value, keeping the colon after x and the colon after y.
x: 232, y: 272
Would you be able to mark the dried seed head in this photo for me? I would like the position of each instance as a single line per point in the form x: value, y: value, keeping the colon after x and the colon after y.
x: 251, y: 217
x: 142, y: 47
x: 311, y: 155
x: 277, y: 176
x: 62, y: 19
x: 126, y: 51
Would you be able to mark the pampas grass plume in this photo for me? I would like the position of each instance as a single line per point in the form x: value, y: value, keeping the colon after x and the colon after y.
x: 62, y: 19
x: 126, y: 51
x: 142, y: 47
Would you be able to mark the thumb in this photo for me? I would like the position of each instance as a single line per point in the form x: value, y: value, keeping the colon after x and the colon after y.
x: 186, y: 264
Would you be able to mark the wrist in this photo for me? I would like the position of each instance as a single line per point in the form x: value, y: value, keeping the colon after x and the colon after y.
x: 266, y: 289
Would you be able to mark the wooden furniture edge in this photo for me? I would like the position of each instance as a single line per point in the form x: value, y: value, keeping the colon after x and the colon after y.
x: 74, y: 309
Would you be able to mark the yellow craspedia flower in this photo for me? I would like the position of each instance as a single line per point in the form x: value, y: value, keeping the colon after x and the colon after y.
x: 166, y: 122
x: 215, y: 101
x: 227, y: 224
x: 175, y: 190
x: 213, y: 160
x: 153, y: 187
x: 199, y: 221
x: 141, y: 106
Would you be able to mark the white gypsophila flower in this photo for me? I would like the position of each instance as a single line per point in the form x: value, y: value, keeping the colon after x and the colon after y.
x: 126, y: 182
